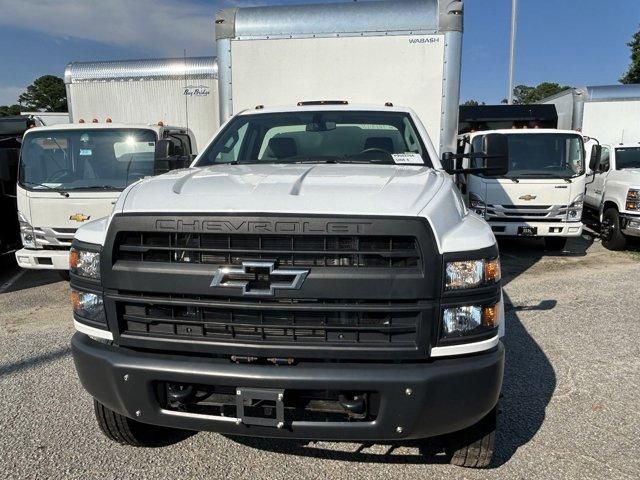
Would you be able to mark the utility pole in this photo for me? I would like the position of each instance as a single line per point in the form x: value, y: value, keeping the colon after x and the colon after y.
x: 512, y: 50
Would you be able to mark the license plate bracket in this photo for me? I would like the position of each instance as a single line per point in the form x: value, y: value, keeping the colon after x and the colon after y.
x: 263, y: 407
x: 527, y: 231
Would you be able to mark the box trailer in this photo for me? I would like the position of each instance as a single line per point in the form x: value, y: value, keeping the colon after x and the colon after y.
x: 610, y: 113
x: 404, y: 52
x: 175, y: 91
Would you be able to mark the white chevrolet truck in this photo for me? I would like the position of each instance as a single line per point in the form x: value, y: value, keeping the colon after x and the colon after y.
x: 70, y: 174
x: 315, y: 273
x: 613, y: 193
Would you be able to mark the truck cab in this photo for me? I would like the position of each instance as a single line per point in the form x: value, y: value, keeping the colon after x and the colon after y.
x: 543, y: 193
x: 71, y: 174
x: 613, y: 193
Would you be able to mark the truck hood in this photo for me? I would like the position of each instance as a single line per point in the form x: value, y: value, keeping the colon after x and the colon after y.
x: 276, y: 188
x: 532, y: 192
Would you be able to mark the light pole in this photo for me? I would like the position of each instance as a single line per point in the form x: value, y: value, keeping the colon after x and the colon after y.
x: 512, y: 49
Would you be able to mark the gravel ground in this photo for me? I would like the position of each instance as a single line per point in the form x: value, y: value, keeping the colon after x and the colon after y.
x: 570, y: 406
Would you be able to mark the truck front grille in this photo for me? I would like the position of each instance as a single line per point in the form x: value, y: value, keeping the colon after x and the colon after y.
x: 526, y: 213
x: 286, y: 250
x: 348, y: 326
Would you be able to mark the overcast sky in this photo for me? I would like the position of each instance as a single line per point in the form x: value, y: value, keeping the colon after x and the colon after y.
x: 573, y: 42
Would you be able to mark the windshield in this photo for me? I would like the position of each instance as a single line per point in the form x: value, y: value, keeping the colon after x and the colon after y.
x: 627, y: 158
x: 86, y: 159
x: 542, y: 155
x: 316, y: 137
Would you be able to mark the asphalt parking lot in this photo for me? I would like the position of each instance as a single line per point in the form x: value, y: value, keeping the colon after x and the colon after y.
x: 570, y: 406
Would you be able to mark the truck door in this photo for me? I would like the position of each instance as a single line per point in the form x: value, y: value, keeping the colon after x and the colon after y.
x: 595, y: 190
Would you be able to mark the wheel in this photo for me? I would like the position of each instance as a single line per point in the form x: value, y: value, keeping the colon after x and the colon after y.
x: 126, y: 431
x: 555, y: 244
x: 610, y: 234
x: 473, y: 446
x: 64, y: 275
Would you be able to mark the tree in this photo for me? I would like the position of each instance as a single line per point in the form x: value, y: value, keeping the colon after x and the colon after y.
x: 633, y: 73
x: 10, y: 110
x: 46, y: 93
x: 524, y: 94
x: 472, y: 103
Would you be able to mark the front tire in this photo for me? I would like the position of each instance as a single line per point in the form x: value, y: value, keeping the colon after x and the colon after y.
x: 610, y: 233
x: 473, y: 447
x: 555, y: 244
x: 126, y: 431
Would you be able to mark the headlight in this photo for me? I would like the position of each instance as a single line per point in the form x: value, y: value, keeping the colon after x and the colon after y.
x: 574, y: 213
x: 84, y: 263
x: 633, y: 199
x: 468, y: 320
x: 472, y: 273
x: 88, y: 306
x: 476, y: 203
x: 27, y: 234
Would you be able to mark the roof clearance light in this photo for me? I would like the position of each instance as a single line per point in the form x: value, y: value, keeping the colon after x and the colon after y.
x: 81, y: 120
x: 161, y: 123
x: 95, y: 120
x: 108, y: 120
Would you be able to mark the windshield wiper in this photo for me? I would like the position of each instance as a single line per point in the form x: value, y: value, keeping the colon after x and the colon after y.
x: 57, y: 190
x: 97, y: 187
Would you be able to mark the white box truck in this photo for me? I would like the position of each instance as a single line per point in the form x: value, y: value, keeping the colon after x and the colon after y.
x: 315, y: 274
x: 175, y: 91
x: 69, y: 174
x: 542, y: 195
x: 610, y: 116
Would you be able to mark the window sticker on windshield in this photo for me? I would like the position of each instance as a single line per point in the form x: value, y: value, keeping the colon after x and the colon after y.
x: 409, y: 158
x: 85, y: 152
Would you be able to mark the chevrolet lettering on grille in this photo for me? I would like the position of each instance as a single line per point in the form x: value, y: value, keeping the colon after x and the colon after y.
x: 259, y: 278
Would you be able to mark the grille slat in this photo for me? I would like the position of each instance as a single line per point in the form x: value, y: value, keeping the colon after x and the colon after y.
x: 287, y: 250
x: 283, y: 326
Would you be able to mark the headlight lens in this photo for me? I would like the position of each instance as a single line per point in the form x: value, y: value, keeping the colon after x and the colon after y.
x: 476, y: 203
x: 574, y: 213
x: 472, y: 273
x: 87, y: 305
x: 633, y: 199
x: 468, y: 320
x: 84, y: 263
x: 27, y: 234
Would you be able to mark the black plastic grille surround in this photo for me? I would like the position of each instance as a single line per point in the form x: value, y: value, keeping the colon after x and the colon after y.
x: 390, y: 251
x: 371, y: 291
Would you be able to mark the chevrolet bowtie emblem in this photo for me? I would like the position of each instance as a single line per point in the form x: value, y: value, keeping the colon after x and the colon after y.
x: 528, y: 198
x: 259, y: 278
x: 79, y: 217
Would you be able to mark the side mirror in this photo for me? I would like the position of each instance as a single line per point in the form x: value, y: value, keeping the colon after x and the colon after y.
x: 164, y: 159
x: 448, y: 162
x: 596, y: 157
x: 495, y: 149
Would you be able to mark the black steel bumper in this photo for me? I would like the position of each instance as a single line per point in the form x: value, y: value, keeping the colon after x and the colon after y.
x: 446, y: 395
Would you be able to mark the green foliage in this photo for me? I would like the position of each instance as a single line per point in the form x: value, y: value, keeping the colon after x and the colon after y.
x: 10, y: 110
x: 472, y: 103
x: 46, y: 93
x: 633, y: 73
x: 524, y: 94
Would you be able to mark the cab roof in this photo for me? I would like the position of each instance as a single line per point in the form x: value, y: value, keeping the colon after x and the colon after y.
x: 327, y: 107
x: 103, y: 126
x: 526, y: 131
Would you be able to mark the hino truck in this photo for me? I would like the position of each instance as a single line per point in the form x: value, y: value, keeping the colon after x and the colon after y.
x: 610, y: 117
x: 315, y: 274
x: 542, y: 195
